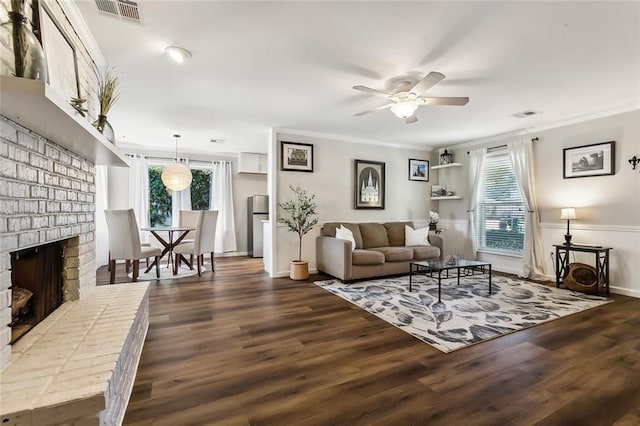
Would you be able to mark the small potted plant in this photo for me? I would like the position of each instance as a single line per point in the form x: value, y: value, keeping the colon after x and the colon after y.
x: 434, y: 217
x: 300, y: 217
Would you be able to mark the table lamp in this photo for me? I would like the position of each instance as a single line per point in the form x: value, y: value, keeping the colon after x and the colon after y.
x: 568, y: 214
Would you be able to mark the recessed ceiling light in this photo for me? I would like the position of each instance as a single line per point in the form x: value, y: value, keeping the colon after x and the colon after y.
x: 178, y: 54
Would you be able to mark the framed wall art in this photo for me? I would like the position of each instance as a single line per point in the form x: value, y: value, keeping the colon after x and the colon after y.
x: 597, y: 159
x: 296, y: 157
x: 369, y: 184
x: 61, y: 56
x: 418, y: 170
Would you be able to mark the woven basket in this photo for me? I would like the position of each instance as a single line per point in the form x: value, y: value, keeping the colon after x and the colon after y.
x: 581, y: 277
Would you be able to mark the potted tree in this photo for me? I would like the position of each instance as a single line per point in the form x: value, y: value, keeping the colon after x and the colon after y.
x: 300, y: 216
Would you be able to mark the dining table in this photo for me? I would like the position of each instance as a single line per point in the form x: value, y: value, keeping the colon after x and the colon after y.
x: 175, y: 236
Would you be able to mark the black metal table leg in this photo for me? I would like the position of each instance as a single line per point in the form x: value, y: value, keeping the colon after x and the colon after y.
x: 439, y: 283
x: 410, y: 275
x: 606, y: 269
x: 489, y: 278
x: 557, y: 267
x: 458, y: 276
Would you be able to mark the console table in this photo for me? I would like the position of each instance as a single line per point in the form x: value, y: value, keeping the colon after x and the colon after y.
x: 601, y: 258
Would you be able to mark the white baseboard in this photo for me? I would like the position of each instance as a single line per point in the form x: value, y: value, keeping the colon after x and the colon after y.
x: 625, y: 291
x: 283, y: 274
x: 232, y: 253
x: 613, y: 289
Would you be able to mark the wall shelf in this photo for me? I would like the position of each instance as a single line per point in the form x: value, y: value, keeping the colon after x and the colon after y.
x: 445, y: 166
x: 452, y: 197
x: 35, y: 105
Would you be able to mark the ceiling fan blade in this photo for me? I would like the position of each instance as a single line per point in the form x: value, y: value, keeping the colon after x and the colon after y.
x: 411, y: 119
x: 459, y: 101
x: 372, y: 110
x: 372, y: 91
x: 427, y: 82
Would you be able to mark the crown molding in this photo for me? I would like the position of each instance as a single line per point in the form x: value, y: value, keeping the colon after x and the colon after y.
x: 628, y: 107
x: 364, y: 141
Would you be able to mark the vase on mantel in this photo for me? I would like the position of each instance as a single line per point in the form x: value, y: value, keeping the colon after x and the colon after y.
x: 432, y: 226
x: 105, y: 128
x: 21, y: 54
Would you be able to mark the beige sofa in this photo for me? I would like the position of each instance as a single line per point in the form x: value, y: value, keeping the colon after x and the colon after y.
x: 379, y: 251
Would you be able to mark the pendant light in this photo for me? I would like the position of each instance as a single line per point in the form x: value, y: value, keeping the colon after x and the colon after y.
x: 176, y: 176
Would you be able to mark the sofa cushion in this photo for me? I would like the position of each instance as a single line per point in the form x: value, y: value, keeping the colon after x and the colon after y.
x: 395, y: 254
x: 425, y: 252
x: 373, y: 235
x: 416, y: 237
x: 329, y: 230
x: 367, y: 257
x: 395, y: 233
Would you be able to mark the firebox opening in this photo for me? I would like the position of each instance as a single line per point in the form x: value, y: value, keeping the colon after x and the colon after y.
x: 36, y: 285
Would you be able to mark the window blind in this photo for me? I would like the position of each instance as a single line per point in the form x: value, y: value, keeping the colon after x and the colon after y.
x: 500, y: 210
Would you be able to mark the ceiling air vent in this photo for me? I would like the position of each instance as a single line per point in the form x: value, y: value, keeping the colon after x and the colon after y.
x: 525, y: 114
x: 124, y: 9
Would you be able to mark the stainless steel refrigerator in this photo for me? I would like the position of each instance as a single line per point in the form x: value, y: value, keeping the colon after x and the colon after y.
x: 258, y: 210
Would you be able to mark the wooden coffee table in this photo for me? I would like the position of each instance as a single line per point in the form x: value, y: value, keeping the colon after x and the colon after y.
x: 469, y: 267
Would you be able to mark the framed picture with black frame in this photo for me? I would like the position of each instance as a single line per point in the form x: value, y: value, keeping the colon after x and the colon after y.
x: 597, y: 159
x: 296, y: 157
x: 62, y: 63
x: 369, y: 181
x: 418, y: 170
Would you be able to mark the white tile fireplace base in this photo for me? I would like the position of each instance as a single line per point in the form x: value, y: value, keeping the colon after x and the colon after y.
x: 78, y: 366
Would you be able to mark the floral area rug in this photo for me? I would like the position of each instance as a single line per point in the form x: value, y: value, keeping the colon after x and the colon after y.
x: 468, y: 314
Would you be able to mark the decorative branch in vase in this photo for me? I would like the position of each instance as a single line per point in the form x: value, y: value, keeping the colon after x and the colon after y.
x: 107, y: 96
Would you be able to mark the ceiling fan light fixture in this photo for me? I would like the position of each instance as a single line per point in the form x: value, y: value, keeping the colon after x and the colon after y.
x: 404, y: 109
x: 178, y: 54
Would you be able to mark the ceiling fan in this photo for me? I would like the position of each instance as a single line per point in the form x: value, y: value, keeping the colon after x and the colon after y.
x: 405, y: 102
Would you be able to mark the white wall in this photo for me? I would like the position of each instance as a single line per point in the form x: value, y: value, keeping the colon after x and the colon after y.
x: 608, y: 206
x: 332, y: 183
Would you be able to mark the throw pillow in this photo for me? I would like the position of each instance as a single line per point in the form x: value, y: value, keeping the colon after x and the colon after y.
x: 345, y: 234
x: 416, y: 237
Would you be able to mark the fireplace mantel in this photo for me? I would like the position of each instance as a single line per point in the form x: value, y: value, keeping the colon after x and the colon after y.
x: 35, y: 105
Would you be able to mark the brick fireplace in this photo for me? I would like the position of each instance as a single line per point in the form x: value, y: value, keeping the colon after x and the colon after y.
x: 47, y: 194
x: 78, y: 365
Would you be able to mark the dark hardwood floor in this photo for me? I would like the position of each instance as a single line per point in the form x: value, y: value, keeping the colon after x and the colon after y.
x: 236, y: 347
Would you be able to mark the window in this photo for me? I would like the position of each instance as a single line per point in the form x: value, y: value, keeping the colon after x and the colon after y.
x: 160, y: 211
x: 500, y: 209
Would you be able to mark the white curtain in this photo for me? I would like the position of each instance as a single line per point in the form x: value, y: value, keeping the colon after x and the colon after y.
x: 139, y: 193
x: 476, y: 171
x: 102, y: 204
x: 180, y: 200
x: 521, y: 156
x: 222, y: 200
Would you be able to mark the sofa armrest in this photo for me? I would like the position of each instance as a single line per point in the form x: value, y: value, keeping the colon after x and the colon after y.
x: 437, y: 241
x: 333, y: 256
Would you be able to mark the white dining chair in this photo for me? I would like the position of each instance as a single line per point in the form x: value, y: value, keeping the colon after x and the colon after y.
x: 204, y: 242
x: 124, y: 243
x: 189, y: 219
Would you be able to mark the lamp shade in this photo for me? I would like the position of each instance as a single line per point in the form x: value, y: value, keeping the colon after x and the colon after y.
x: 176, y: 176
x: 404, y: 109
x: 568, y: 213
